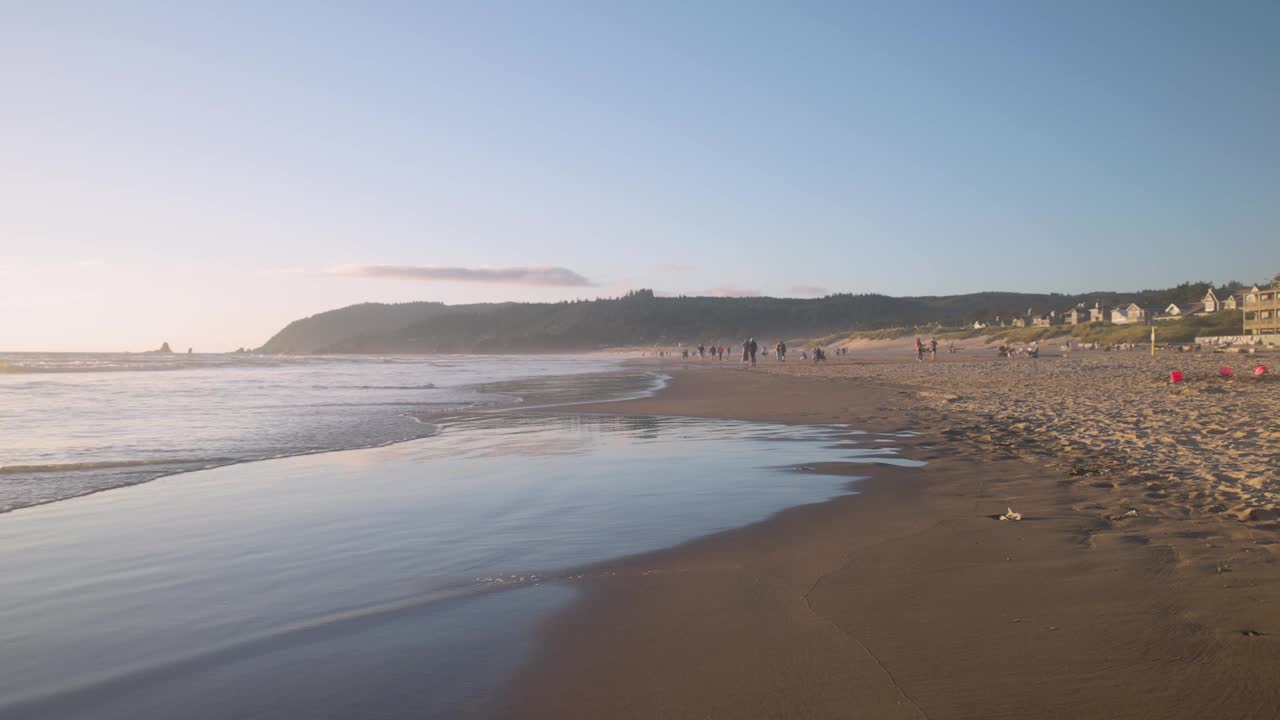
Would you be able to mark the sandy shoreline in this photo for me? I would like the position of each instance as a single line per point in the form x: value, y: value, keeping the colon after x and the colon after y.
x: 910, y: 600
x: 1209, y: 444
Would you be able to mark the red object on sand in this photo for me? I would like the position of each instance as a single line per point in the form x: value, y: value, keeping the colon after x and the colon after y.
x: 1175, y: 376
x: 1225, y: 371
x: 1259, y: 370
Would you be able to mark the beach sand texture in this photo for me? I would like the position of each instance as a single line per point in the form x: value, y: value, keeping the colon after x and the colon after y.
x: 1122, y: 593
x: 1208, y: 444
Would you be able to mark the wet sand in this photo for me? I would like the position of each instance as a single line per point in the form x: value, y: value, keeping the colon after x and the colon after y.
x: 910, y: 599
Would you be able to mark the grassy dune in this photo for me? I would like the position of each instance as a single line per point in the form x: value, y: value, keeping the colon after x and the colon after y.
x: 1226, y: 322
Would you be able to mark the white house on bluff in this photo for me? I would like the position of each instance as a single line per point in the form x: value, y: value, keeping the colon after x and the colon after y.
x: 1078, y: 315
x: 1099, y: 313
x: 1175, y: 311
x: 1212, y: 304
x: 1130, y: 314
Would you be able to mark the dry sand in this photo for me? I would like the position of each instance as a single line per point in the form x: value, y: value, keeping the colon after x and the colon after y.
x: 1208, y: 444
x: 910, y: 600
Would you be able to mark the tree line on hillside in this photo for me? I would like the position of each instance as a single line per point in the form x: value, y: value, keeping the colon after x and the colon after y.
x: 642, y: 317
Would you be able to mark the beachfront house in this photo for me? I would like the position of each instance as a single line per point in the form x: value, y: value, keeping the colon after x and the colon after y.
x: 1262, y: 310
x: 1079, y: 315
x: 1131, y: 314
x: 1024, y: 320
x: 1046, y: 319
x: 1174, y: 311
x: 1099, y: 313
x: 1229, y: 301
x: 1211, y: 302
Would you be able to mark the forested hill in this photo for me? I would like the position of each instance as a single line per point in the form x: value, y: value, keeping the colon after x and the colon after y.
x: 641, y: 318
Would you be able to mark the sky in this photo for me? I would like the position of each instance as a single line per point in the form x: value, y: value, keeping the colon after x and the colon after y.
x: 204, y: 173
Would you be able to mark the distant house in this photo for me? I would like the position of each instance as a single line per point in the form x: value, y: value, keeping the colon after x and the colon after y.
x: 1175, y: 311
x: 1211, y: 302
x: 1024, y: 320
x: 1079, y: 315
x: 1262, y: 310
x: 1131, y: 314
x: 1046, y: 319
x: 1099, y: 313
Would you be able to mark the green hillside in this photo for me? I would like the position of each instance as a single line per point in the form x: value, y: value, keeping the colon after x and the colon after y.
x: 643, y: 318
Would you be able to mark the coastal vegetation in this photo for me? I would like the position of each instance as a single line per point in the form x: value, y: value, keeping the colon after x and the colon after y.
x: 644, y: 318
x: 1184, y: 330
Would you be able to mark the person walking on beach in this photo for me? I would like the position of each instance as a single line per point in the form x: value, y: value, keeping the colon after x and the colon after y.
x: 919, y: 350
x: 752, y: 348
x: 933, y: 348
x: 721, y: 348
x: 746, y: 349
x: 782, y: 351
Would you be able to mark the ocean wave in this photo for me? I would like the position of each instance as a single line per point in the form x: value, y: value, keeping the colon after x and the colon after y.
x: 107, y: 465
x: 425, y: 386
x: 279, y: 421
x: 56, y: 368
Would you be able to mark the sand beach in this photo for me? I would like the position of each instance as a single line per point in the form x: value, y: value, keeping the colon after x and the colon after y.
x: 1141, y: 581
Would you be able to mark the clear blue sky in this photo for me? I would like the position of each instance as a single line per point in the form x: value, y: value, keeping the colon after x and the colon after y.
x: 203, y: 173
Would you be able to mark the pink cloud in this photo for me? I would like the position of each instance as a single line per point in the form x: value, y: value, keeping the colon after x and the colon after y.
x: 557, y: 276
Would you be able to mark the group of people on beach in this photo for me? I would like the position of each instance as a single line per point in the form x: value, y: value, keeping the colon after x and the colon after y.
x: 716, y: 351
x: 751, y: 351
x: 1008, y: 351
x: 932, y: 347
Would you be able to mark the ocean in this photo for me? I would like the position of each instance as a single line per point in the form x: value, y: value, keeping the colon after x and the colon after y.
x: 73, y: 424
x: 390, y: 554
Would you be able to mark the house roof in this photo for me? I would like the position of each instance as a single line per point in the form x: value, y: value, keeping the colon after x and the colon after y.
x: 1135, y: 308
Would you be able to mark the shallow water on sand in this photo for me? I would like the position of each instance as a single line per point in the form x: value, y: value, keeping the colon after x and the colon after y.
x: 361, y: 583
